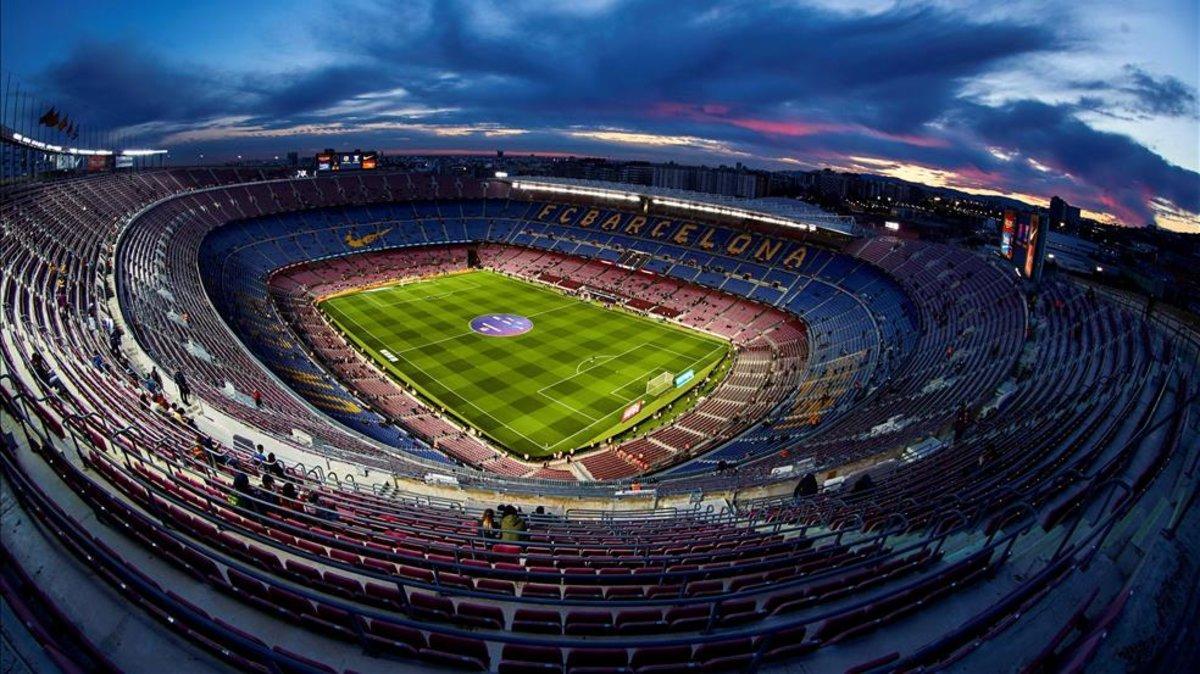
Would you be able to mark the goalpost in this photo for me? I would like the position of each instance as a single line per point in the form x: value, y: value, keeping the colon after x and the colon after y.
x: 656, y: 385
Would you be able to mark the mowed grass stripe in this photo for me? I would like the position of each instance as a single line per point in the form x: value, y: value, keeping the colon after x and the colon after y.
x: 562, y: 385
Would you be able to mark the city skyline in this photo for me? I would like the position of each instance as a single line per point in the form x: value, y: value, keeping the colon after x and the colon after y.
x: 1096, y: 104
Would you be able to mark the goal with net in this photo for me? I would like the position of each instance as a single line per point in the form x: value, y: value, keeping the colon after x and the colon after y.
x: 658, y: 384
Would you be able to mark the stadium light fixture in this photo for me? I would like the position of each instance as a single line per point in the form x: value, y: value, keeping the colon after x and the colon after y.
x: 578, y: 191
x: 733, y: 212
x: 39, y: 145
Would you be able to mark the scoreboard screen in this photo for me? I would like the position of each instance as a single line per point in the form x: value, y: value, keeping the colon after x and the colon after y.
x: 1023, y: 242
x: 1006, y: 234
x: 356, y: 160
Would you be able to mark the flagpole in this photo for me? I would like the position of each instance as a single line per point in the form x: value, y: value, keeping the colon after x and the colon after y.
x: 24, y: 116
x: 35, y: 129
x: 6, y: 151
x: 25, y: 113
x: 18, y: 121
x: 4, y: 103
x: 38, y: 155
x: 12, y: 120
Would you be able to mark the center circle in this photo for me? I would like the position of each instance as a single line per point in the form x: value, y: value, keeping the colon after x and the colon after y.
x: 501, y: 325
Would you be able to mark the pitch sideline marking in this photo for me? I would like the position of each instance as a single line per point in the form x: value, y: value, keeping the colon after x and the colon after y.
x: 570, y: 407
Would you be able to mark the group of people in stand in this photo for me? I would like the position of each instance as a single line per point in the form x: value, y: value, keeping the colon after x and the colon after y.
x: 809, y: 486
x: 275, y: 493
x: 511, y: 526
x: 154, y: 398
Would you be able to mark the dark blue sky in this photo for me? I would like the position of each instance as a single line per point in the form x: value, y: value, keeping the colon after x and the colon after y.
x: 1093, y: 101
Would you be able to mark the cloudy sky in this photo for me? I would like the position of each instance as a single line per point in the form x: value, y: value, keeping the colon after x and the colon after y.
x: 1094, y: 101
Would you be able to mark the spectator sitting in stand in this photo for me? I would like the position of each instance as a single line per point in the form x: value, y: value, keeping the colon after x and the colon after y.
x: 487, y: 525
x: 864, y: 484
x: 512, y: 526
x: 41, y: 369
x: 317, y: 508
x: 807, y: 486
x: 267, y: 492
x: 272, y: 466
x: 289, y: 499
x: 244, y: 494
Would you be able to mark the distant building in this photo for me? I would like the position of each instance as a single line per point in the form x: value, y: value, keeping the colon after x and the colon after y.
x: 673, y: 176
x: 832, y: 184
x: 1063, y: 215
x: 637, y: 173
x: 737, y: 181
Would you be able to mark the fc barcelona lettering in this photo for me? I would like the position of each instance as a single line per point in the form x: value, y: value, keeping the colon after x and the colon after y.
x: 720, y: 240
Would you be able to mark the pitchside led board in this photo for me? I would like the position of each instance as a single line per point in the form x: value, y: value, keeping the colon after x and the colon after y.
x: 1023, y: 242
x: 358, y: 160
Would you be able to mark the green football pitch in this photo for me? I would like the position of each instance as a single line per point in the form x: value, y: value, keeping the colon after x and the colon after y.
x: 564, y: 383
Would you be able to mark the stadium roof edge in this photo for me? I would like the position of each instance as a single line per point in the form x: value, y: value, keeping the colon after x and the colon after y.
x: 783, y: 212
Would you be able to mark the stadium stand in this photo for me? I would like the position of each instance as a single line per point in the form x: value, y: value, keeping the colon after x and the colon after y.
x: 995, y: 468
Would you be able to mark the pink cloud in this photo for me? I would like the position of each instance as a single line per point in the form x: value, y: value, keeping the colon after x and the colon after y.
x: 718, y: 113
x: 778, y: 128
x: 1120, y: 210
x: 908, y: 139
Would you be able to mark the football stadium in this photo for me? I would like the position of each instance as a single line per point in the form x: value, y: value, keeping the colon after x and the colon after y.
x: 406, y: 411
